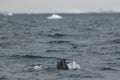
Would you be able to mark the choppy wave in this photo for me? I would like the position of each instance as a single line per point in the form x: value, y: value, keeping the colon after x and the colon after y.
x: 29, y: 57
x: 28, y: 41
x: 107, y: 69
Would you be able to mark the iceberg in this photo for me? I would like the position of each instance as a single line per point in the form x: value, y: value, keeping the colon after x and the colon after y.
x: 54, y: 16
x: 10, y: 14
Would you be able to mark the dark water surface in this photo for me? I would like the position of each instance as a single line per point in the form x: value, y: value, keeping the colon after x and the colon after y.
x: 92, y: 40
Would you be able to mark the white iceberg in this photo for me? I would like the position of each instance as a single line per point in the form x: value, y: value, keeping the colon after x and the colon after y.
x: 10, y: 14
x: 54, y: 16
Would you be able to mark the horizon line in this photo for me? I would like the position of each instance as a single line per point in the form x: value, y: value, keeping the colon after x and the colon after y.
x: 72, y: 11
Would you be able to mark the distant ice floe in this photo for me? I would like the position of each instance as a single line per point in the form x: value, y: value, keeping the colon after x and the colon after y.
x: 54, y: 16
x: 73, y: 65
x: 8, y: 14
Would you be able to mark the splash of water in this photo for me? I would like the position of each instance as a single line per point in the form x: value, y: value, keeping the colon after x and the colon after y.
x: 73, y: 65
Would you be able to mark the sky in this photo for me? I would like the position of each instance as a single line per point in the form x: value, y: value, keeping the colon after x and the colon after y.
x: 39, y: 6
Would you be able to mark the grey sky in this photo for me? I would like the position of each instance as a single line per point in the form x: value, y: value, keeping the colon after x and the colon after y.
x: 58, y: 5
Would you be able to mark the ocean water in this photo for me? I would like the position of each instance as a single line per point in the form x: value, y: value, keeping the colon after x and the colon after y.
x: 92, y: 40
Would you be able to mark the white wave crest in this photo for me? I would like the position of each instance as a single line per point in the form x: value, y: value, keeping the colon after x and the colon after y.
x: 73, y: 65
x: 39, y: 67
